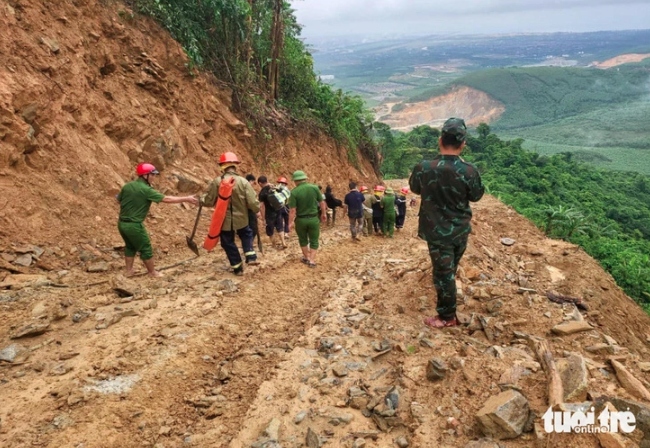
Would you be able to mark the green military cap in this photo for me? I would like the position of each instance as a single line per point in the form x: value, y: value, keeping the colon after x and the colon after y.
x: 455, y: 127
x: 299, y: 175
x: 389, y: 190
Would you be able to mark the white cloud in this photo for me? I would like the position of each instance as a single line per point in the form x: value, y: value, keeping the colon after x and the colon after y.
x: 339, y: 17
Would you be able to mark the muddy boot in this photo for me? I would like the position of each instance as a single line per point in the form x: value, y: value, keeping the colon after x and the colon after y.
x: 283, y: 241
x: 273, y: 239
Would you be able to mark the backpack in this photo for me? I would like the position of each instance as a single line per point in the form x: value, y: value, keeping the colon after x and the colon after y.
x: 277, y: 197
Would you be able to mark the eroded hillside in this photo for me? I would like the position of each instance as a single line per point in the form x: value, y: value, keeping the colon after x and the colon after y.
x: 87, y: 90
x: 622, y: 59
x: 473, y: 105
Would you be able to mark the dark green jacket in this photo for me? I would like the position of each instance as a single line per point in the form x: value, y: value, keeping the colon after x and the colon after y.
x: 446, y: 184
x: 135, y: 198
x: 388, y: 204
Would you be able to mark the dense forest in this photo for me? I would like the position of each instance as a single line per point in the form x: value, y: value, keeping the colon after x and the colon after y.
x: 599, y: 115
x: 605, y: 212
x: 254, y: 47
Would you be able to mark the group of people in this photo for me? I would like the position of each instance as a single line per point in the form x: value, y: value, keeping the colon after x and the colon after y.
x: 380, y: 211
x: 446, y: 185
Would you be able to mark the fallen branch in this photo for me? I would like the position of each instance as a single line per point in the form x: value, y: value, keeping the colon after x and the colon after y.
x: 629, y: 381
x: 559, y: 298
x: 555, y: 388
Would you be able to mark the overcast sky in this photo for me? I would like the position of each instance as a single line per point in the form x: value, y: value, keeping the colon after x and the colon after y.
x: 321, y: 18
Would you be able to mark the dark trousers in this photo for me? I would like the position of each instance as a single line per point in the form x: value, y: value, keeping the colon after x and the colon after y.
x: 252, y: 222
x: 377, y: 223
x: 445, y: 258
x: 282, y: 223
x: 232, y: 251
x: 399, y: 221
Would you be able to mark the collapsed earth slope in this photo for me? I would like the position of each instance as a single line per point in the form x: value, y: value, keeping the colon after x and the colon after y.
x: 87, y: 90
x: 473, y: 105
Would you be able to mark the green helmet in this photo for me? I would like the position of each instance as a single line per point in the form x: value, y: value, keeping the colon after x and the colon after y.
x: 389, y: 191
x: 299, y: 175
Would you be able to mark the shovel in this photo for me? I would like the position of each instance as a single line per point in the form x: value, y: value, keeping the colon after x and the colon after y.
x: 190, y: 239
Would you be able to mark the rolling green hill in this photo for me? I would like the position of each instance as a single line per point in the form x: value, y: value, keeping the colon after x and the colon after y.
x: 599, y: 115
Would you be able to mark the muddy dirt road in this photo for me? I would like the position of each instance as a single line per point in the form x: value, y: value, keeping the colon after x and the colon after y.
x: 292, y: 356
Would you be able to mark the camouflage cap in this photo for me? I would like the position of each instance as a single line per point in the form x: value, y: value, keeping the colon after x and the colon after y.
x: 456, y: 127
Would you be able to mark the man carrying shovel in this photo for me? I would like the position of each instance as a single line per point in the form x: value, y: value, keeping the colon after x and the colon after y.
x: 135, y: 198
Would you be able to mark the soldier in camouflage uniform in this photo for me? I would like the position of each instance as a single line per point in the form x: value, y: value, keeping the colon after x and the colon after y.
x: 446, y: 184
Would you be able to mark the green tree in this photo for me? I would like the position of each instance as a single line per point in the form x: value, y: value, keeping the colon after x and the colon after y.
x: 483, y: 130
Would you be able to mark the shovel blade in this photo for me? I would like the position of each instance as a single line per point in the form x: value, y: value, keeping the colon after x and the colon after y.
x: 192, y: 245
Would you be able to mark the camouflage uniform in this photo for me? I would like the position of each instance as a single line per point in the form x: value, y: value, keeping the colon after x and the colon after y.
x: 446, y: 184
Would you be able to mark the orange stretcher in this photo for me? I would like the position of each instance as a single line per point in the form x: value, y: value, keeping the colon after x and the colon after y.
x: 219, y: 214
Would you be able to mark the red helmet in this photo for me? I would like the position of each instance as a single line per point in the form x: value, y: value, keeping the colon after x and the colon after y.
x: 228, y: 157
x: 380, y: 188
x: 405, y: 190
x: 146, y: 168
x: 282, y: 180
x: 363, y: 188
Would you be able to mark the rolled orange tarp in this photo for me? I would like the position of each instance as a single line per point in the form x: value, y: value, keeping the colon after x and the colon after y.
x: 219, y: 214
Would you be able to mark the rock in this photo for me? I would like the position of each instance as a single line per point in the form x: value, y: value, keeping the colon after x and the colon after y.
x: 339, y: 369
x: 80, y: 316
x: 602, y: 348
x: 644, y: 366
x: 436, y: 369
x: 641, y: 413
x: 613, y: 440
x: 24, y: 260
x: 392, y: 398
x: 7, y: 257
x: 402, y: 442
x: 359, y: 443
x: 188, y: 184
x: 311, y: 439
x: 511, y: 377
x: 272, y: 431
x: 338, y: 419
x: 124, y: 287
x: 381, y: 346
x: 418, y: 412
x: 572, y: 327
x: 483, y: 443
x: 507, y: 241
x: 629, y: 382
x: 300, y: 416
x: 575, y: 377
x: 62, y: 421
x: 227, y: 286
x: 472, y: 273
x: 503, y: 416
x: 223, y: 374
x: 14, y: 353
x: 494, y: 306
x: 100, y: 266
x: 32, y: 329
x: 215, y: 410
x: 52, y: 44
x: 60, y: 369
x: 40, y: 309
